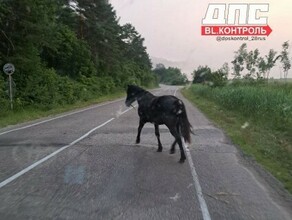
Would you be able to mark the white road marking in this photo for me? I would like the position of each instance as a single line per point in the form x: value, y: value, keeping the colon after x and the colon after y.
x: 175, y: 92
x: 65, y: 115
x: 176, y: 197
x: 203, y: 204
x: 58, y: 117
x: 128, y: 109
x: 190, y: 185
x: 199, y: 192
x: 15, y: 176
x: 27, y: 169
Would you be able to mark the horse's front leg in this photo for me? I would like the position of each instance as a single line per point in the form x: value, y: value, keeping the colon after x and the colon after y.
x: 158, y: 137
x: 141, y: 125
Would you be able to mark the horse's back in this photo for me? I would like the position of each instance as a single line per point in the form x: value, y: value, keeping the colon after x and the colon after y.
x: 167, y: 104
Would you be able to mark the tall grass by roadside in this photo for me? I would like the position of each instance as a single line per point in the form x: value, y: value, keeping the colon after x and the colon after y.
x: 269, y: 104
x: 257, y: 117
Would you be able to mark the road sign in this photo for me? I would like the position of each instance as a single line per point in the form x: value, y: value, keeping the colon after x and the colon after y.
x: 8, y: 87
x: 9, y: 68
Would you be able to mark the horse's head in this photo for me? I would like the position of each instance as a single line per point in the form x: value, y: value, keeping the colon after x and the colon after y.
x: 133, y: 93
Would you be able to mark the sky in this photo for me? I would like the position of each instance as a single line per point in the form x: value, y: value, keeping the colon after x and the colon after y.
x: 172, y: 31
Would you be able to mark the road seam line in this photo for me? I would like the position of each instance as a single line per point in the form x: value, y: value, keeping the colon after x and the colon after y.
x: 15, y: 176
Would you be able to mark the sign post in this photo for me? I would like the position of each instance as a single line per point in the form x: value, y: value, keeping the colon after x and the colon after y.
x: 9, y: 69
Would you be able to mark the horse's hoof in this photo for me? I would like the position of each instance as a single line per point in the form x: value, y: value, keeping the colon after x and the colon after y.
x: 172, y: 151
x: 159, y: 150
x: 181, y: 160
x: 137, y: 141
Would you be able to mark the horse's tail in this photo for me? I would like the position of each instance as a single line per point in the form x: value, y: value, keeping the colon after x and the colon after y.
x: 184, y: 124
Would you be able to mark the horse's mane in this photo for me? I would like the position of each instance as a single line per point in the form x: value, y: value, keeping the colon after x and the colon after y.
x: 134, y: 88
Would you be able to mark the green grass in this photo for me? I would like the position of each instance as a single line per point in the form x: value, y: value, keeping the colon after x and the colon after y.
x: 267, y: 110
x: 31, y: 113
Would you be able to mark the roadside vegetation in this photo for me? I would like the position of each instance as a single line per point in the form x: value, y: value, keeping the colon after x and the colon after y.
x: 31, y: 113
x: 255, y: 112
x: 67, y: 52
x: 170, y: 75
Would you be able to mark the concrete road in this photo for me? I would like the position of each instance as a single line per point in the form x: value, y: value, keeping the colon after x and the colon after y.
x: 86, y: 165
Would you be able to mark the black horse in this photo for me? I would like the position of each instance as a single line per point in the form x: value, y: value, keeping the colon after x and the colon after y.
x: 167, y: 109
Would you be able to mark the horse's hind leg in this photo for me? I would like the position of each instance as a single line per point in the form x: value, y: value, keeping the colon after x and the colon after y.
x: 174, y: 131
x: 141, y: 125
x: 172, y: 149
x: 158, y: 138
x: 182, y: 152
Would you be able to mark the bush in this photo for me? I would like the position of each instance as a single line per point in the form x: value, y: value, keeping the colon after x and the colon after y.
x: 204, y: 75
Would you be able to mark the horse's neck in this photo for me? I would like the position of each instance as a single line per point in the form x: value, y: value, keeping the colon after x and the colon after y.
x: 145, y: 98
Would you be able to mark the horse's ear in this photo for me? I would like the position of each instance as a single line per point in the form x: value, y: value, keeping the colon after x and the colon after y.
x: 129, y: 87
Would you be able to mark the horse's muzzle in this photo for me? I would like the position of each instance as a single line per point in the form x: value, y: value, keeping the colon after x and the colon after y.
x: 128, y: 103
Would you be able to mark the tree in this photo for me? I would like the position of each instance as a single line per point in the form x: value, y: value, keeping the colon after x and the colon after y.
x: 100, y: 29
x: 251, y: 60
x: 267, y: 63
x: 170, y: 76
x: 134, y: 47
x: 70, y: 56
x: 225, y: 69
x: 214, y: 79
x: 65, y: 50
x: 285, y: 60
x: 238, y: 62
x: 257, y: 67
x: 218, y: 78
x: 202, y: 74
